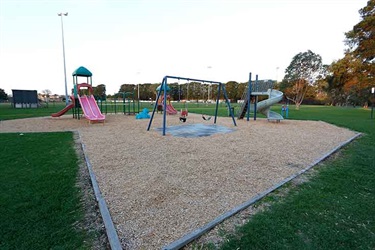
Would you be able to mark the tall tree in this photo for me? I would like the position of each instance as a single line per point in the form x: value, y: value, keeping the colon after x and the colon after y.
x: 99, y: 91
x: 46, y: 93
x: 3, y: 95
x: 303, y: 71
x: 343, y: 85
x: 361, y: 46
x: 231, y: 88
x: 127, y: 88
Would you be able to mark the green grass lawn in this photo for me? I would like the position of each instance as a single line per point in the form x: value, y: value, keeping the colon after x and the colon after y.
x: 335, y: 209
x: 41, y: 204
x: 9, y: 113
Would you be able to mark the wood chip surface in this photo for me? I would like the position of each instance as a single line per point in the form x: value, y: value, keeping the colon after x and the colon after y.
x: 159, y: 188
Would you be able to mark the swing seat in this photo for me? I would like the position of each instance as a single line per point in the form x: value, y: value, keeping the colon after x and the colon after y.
x: 184, y: 113
x: 182, y: 119
x: 206, y: 118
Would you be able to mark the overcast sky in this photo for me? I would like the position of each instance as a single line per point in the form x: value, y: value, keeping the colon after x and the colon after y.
x: 132, y: 41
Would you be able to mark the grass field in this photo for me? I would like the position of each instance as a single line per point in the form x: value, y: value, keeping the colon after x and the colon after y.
x: 8, y: 113
x: 40, y: 203
x: 335, y: 209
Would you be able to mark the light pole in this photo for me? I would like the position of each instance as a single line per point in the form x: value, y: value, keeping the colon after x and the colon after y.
x: 63, y: 45
x: 277, y: 74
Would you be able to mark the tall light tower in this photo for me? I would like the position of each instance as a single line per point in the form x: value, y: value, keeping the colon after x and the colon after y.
x: 277, y: 74
x: 63, y: 45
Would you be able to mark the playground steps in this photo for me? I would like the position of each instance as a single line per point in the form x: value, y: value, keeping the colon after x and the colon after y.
x: 261, y: 88
x: 242, y: 112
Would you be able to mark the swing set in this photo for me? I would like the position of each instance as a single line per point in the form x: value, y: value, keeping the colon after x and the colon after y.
x: 184, y: 113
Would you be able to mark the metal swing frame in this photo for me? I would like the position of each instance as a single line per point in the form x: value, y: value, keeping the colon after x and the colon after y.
x: 163, y: 87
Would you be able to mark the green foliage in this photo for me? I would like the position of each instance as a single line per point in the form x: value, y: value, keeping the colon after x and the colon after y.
x: 128, y: 88
x: 302, y: 72
x: 3, y: 95
x: 40, y: 202
x: 361, y: 40
x: 188, y: 91
x: 356, y: 71
x: 99, y: 92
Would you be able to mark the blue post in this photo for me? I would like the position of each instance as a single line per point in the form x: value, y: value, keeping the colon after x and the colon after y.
x: 217, y: 101
x: 248, y: 97
x: 229, y: 107
x: 155, y: 106
x: 115, y: 104
x: 256, y: 98
x: 287, y: 111
x: 164, y: 87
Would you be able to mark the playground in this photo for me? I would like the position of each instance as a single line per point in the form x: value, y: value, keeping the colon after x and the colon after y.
x: 160, y: 188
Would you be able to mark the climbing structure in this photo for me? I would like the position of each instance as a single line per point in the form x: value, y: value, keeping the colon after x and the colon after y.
x: 254, y: 90
x: 84, y: 96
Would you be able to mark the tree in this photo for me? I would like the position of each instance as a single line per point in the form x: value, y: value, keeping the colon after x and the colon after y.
x: 231, y: 88
x: 303, y: 71
x: 361, y: 47
x: 99, y: 92
x: 361, y: 40
x: 242, y: 87
x: 46, y: 93
x: 342, y: 82
x: 3, y: 95
x: 127, y: 88
x: 173, y: 92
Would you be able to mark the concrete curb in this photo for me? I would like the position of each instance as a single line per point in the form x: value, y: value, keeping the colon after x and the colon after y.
x: 200, y: 231
x: 108, y: 223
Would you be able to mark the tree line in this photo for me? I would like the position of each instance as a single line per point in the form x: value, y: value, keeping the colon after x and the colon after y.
x: 192, y: 91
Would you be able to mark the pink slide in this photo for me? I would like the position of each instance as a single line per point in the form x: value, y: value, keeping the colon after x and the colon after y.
x: 64, y: 110
x: 171, y: 110
x: 90, y: 108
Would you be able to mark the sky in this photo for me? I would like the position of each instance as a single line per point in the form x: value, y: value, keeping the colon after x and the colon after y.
x: 141, y: 41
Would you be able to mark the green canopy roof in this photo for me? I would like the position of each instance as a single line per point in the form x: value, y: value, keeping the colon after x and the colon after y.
x: 82, y: 71
x: 158, y: 88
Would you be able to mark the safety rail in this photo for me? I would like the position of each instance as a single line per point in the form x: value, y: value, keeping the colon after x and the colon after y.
x: 261, y: 87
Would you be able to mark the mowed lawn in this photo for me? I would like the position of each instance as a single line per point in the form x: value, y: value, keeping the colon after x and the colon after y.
x: 40, y: 201
x: 41, y: 208
x: 335, y: 209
